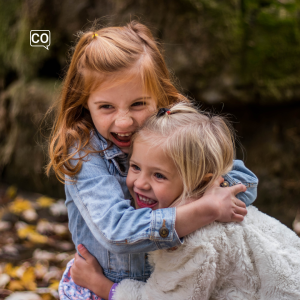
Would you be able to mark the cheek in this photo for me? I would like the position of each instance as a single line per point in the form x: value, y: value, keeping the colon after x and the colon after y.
x: 130, y: 180
x: 144, y: 115
x: 165, y: 196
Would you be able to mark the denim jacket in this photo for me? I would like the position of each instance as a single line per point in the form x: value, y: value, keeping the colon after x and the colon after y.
x: 102, y: 219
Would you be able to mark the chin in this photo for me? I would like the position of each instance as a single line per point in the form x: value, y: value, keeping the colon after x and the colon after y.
x: 125, y: 150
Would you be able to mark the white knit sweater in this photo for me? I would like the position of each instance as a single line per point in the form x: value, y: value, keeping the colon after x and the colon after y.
x: 258, y: 258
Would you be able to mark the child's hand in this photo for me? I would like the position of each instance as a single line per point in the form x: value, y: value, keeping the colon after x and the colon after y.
x: 88, y: 273
x: 228, y: 207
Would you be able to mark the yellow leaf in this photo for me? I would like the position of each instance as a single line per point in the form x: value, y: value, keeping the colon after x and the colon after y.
x: 23, y: 232
x: 37, y: 238
x: 8, y: 268
x: 54, y: 285
x: 11, y: 192
x: 30, y: 233
x: 15, y: 285
x: 11, y: 271
x: 28, y: 275
x: 30, y: 286
x: 46, y: 296
x: 40, y: 270
x: 45, y: 201
x: 19, y: 205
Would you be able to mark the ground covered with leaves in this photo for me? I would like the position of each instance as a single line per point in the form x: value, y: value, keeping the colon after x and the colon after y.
x: 35, y: 245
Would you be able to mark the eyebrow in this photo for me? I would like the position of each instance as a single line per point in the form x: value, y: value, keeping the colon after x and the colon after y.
x: 155, y: 168
x: 105, y: 101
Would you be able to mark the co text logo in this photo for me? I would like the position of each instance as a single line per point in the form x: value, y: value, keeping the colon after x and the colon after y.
x: 40, y: 38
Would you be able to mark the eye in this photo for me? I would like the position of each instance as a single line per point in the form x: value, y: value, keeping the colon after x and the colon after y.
x: 159, y: 176
x: 135, y: 167
x: 139, y: 103
x: 106, y: 106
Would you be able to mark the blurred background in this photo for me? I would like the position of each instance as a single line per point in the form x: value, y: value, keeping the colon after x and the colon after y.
x: 237, y: 57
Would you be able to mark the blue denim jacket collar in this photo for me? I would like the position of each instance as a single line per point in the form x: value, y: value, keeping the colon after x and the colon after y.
x: 113, y: 153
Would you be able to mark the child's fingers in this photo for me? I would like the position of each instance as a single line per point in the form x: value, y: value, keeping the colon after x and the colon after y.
x: 240, y: 203
x: 240, y: 211
x: 238, y: 188
x: 85, y: 253
x: 217, y: 182
x: 237, y: 218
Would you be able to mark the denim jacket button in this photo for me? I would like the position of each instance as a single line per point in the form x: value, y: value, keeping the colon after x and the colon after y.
x: 163, y: 232
x: 225, y: 183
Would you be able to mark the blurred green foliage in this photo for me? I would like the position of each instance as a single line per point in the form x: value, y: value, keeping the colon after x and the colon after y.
x: 240, y: 54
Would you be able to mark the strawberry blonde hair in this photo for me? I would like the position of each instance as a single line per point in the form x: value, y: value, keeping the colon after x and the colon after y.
x: 98, y: 56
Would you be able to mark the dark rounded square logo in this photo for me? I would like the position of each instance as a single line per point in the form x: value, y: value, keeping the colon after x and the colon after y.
x: 40, y: 38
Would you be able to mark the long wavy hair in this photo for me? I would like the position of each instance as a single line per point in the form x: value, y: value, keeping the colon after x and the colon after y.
x: 98, y: 56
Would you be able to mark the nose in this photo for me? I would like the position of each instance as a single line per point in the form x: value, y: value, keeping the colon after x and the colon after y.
x: 124, y: 121
x: 142, y: 182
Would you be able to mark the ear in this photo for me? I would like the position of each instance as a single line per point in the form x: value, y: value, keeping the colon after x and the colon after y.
x: 207, y: 177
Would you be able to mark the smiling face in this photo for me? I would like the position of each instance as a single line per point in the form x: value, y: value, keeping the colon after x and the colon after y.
x: 153, y: 179
x: 118, y: 111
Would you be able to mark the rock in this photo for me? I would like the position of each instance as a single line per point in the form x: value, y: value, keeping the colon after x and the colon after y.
x: 23, y: 296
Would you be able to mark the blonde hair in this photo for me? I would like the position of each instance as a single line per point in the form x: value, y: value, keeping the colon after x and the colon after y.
x: 99, y: 56
x: 201, y: 145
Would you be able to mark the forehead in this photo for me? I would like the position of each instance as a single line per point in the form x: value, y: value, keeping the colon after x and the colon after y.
x: 151, y: 156
x: 120, y: 85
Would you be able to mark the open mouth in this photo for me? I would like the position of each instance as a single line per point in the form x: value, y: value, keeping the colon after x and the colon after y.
x: 143, y: 201
x: 122, y: 139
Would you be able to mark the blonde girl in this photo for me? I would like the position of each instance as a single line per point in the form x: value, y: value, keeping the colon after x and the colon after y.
x: 116, y: 79
x: 256, y: 259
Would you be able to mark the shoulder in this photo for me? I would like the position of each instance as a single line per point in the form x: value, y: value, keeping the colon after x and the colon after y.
x: 91, y: 154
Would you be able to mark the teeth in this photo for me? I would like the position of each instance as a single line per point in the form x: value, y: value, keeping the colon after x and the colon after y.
x: 126, y: 134
x: 147, y: 200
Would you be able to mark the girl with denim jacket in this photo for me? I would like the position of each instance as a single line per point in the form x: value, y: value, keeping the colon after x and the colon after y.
x: 255, y: 259
x: 116, y: 79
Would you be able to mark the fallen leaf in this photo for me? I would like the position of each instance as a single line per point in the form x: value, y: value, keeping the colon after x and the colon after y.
x: 65, y: 246
x: 19, y: 205
x: 59, y: 208
x: 46, y: 296
x: 53, y: 274
x: 54, y: 285
x: 15, y: 285
x: 28, y: 279
x: 29, y: 215
x: 23, y: 296
x: 11, y: 192
x: 40, y: 270
x: 4, y: 225
x: 4, y: 280
x: 45, y: 201
x: 30, y: 233
x: 11, y: 271
x: 62, y: 256
x: 39, y: 254
x: 60, y: 229
x: 44, y: 227
x: 10, y: 249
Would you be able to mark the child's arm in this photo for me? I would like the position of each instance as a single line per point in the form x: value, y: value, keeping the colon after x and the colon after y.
x: 197, y: 275
x: 121, y: 229
x: 240, y: 174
